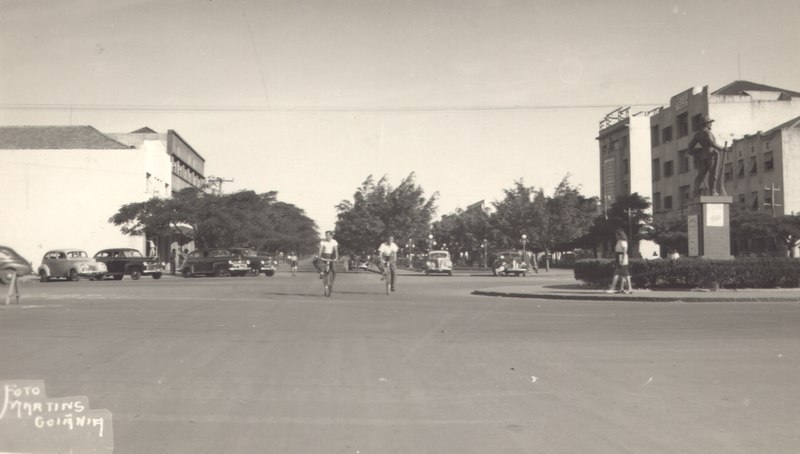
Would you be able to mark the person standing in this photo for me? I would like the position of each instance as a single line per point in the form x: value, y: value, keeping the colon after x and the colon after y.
x: 173, y: 258
x: 621, y: 271
x: 388, y: 255
x: 292, y: 259
x: 706, y: 158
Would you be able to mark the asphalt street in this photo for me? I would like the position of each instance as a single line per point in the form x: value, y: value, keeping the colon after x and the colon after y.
x: 269, y: 365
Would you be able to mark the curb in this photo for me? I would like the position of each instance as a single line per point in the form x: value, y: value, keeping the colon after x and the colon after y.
x: 642, y: 298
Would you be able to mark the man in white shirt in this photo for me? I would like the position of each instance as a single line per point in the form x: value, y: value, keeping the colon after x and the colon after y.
x: 388, y: 254
x: 328, y: 251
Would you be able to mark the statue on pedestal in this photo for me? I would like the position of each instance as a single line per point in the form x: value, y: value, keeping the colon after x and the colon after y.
x: 708, y: 160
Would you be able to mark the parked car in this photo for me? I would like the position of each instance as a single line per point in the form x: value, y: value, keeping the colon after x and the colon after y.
x: 127, y: 261
x: 12, y: 264
x: 358, y: 263
x: 439, y: 262
x: 216, y: 262
x: 71, y: 264
x: 509, y: 262
x: 259, y: 262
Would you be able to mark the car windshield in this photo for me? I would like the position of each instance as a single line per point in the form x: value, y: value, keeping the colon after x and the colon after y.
x: 438, y: 255
x: 77, y: 254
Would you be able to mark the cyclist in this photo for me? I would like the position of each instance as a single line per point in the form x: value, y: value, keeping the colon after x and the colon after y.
x: 292, y: 259
x: 328, y: 253
x: 388, y: 255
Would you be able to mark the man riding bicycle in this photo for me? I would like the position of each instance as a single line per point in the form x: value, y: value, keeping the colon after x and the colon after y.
x: 387, y: 253
x: 328, y: 254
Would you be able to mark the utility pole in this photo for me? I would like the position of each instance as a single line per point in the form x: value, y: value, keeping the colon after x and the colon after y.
x: 215, y: 183
x: 772, y: 189
x: 630, y: 212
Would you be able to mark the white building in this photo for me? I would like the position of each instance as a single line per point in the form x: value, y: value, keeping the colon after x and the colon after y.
x: 63, y: 183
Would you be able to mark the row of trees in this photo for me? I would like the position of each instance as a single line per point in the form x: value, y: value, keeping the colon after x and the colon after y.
x: 242, y: 218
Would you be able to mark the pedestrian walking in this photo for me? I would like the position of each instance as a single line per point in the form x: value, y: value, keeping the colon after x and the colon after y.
x: 621, y: 271
x: 173, y: 259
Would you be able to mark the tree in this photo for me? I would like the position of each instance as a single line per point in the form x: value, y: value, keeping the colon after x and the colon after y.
x: 551, y: 223
x: 242, y: 218
x: 464, y: 231
x: 379, y: 209
x: 628, y: 213
x: 671, y: 234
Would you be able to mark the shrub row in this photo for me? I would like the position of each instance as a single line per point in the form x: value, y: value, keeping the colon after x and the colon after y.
x: 760, y: 272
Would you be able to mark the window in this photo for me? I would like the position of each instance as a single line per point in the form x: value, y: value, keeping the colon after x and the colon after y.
x: 697, y: 122
x: 683, y: 124
x: 742, y: 200
x: 728, y: 171
x: 768, y: 163
x: 668, y: 170
x: 654, y: 136
x: 668, y: 202
x: 683, y: 161
x: 768, y: 197
x: 740, y: 166
x: 656, y: 169
x: 656, y: 201
x: 625, y: 167
x: 754, y: 205
x: 684, y: 196
x: 753, y: 165
x: 667, y: 134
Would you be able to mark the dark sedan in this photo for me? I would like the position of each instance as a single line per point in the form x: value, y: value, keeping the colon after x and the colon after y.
x: 12, y: 264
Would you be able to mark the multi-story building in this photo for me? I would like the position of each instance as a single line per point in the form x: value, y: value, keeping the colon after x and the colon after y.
x: 188, y: 167
x: 624, y: 142
x: 738, y: 108
x: 61, y: 184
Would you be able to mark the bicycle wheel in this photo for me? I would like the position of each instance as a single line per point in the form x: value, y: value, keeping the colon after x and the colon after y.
x: 388, y: 274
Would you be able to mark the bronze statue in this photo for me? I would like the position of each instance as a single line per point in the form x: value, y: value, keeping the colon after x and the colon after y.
x: 707, y: 159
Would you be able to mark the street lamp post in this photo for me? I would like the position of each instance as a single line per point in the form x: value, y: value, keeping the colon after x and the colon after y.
x: 524, y: 252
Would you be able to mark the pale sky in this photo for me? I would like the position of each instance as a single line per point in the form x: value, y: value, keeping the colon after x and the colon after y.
x: 310, y: 97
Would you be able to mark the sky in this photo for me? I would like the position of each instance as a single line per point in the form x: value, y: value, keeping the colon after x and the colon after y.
x: 308, y: 98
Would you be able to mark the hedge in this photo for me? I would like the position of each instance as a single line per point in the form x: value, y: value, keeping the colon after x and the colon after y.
x: 761, y: 272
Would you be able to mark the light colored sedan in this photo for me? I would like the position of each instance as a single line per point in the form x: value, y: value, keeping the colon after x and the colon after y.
x: 439, y: 262
x: 71, y: 264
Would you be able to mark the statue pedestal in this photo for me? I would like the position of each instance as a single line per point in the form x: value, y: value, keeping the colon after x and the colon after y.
x: 709, y: 227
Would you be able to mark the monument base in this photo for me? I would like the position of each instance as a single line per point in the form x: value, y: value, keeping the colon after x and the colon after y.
x: 709, y: 227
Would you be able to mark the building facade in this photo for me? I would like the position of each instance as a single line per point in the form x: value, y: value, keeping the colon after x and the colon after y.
x: 63, y: 183
x: 739, y: 108
x: 188, y: 166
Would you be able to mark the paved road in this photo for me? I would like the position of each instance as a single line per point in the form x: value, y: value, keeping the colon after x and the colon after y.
x: 268, y: 365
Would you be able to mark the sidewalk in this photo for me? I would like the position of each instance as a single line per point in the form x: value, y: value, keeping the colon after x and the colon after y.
x: 577, y: 292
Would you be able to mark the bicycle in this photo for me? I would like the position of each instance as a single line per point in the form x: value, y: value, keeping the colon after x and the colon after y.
x: 387, y: 275
x: 327, y: 277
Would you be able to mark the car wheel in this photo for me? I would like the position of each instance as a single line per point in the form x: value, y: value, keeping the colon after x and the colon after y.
x: 43, y: 276
x: 118, y: 277
x: 220, y: 271
x: 186, y: 272
x: 136, y: 273
x: 7, y: 275
x: 449, y: 273
x: 99, y: 277
x: 73, y: 275
x: 269, y: 273
x: 157, y: 276
x: 427, y: 273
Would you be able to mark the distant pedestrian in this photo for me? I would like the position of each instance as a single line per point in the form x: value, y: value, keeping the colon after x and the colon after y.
x: 182, y: 257
x: 173, y: 259
x: 673, y: 254
x: 621, y: 271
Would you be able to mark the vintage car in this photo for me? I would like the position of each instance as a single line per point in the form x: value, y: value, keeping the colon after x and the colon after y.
x: 259, y: 262
x: 439, y: 262
x: 126, y: 261
x: 12, y: 264
x: 214, y: 262
x: 508, y: 263
x: 71, y: 264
